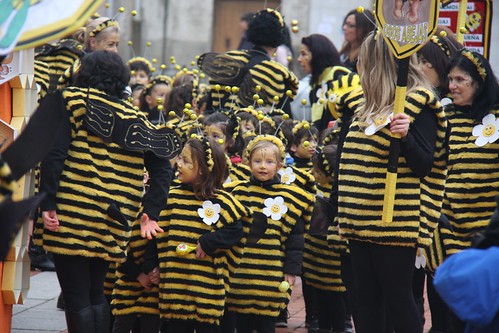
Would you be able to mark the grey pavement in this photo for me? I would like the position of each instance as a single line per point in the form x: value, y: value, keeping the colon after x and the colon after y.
x: 39, y: 312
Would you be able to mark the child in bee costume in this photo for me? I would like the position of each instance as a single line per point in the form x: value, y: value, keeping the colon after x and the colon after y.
x: 276, y: 258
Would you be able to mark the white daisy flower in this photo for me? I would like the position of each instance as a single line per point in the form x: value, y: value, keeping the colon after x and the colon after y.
x: 275, y: 208
x: 287, y: 175
x: 210, y: 212
x: 420, y: 259
x: 376, y: 124
x: 488, y: 131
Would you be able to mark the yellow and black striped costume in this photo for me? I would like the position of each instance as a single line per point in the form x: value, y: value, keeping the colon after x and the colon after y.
x: 191, y: 288
x: 472, y: 182
x: 303, y: 178
x: 129, y: 296
x: 321, y: 263
x: 230, y: 69
x: 362, y: 175
x: 59, y: 57
x: 95, y: 175
x: 42, y: 77
x: 239, y: 171
x: 254, y: 289
x: 66, y: 79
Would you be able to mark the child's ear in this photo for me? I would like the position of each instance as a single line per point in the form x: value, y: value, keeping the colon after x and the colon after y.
x: 93, y: 42
x: 279, y: 166
x: 293, y: 148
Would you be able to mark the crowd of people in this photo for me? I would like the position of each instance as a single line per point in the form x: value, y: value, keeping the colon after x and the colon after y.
x: 192, y: 202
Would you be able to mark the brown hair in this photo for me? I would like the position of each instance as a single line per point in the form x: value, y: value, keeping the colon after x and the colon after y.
x: 210, y: 181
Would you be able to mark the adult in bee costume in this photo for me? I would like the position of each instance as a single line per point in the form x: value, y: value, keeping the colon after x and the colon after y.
x: 93, y: 180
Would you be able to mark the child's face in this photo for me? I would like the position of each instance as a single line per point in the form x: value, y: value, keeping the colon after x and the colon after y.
x: 188, y: 169
x: 158, y: 91
x: 303, y: 150
x: 264, y: 164
x: 215, y: 132
x: 139, y: 77
x: 320, y: 176
x: 246, y: 125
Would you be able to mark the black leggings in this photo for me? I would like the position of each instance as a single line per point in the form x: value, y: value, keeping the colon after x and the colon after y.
x: 184, y: 326
x: 383, y: 275
x: 331, y: 310
x: 81, y: 280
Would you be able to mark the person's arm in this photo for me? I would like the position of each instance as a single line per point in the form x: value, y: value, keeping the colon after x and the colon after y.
x: 53, y: 164
x: 293, y: 255
x: 160, y: 175
x: 223, y: 238
x: 418, y: 145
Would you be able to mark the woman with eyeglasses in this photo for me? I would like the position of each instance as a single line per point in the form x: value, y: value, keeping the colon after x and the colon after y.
x: 356, y: 27
x: 473, y: 177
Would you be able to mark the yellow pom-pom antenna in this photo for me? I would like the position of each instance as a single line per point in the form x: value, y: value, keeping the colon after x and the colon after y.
x: 289, y: 93
x: 193, y: 63
x: 194, y: 136
x: 148, y: 44
x: 185, y: 70
x: 202, y: 75
x: 360, y: 9
x: 187, y: 105
x: 80, y: 47
x: 285, y: 116
x: 154, y: 60
x: 234, y: 90
x: 306, y: 126
x: 294, y: 23
x: 196, y: 71
x: 193, y: 116
x: 177, y: 67
x: 172, y: 60
x: 153, y: 69
x: 160, y: 107
x: 121, y: 9
x: 259, y: 102
x: 295, y: 29
x: 220, y: 141
x: 276, y: 99
x: 227, y: 89
x: 217, y: 87
x: 186, y: 111
x: 260, y: 116
x: 107, y: 5
x: 321, y: 100
x: 130, y: 43
x: 289, y: 58
x: 306, y: 143
x: 303, y: 101
x: 463, y: 30
x: 256, y: 97
x: 159, y: 100
x: 443, y: 34
x: 258, y: 88
x: 134, y: 13
x: 172, y: 113
x: 132, y: 72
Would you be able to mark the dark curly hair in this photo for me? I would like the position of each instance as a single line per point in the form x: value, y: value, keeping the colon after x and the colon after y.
x: 266, y: 29
x: 105, y: 71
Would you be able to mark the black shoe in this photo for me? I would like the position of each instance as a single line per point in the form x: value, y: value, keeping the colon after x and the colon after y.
x: 60, y: 302
x: 41, y: 262
x: 282, y: 319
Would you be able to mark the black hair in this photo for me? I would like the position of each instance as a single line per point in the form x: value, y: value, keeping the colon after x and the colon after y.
x: 487, y: 93
x: 140, y: 66
x: 266, y: 29
x: 248, y: 17
x: 228, y: 125
x: 324, y: 54
x: 105, y: 71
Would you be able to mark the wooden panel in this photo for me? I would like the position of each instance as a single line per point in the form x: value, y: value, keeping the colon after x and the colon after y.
x: 226, y: 32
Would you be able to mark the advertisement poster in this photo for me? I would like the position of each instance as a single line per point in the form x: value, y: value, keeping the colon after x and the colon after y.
x: 478, y: 23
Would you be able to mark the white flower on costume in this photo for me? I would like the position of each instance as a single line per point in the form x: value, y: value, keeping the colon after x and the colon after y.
x: 377, y: 123
x: 488, y: 131
x: 420, y: 259
x: 275, y: 208
x: 287, y: 175
x: 210, y: 213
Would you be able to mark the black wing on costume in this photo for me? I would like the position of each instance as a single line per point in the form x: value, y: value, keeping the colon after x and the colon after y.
x: 130, y: 133
x: 222, y: 68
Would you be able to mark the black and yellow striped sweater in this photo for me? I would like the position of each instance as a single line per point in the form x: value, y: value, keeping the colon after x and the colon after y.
x: 86, y: 176
x: 287, y: 210
x: 42, y: 78
x: 192, y: 288
x: 361, y: 182
x: 59, y: 57
x: 247, y: 70
x: 473, y: 179
x: 128, y: 295
x: 321, y: 263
